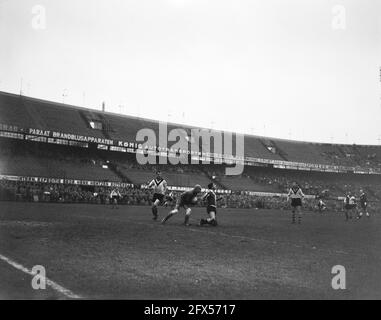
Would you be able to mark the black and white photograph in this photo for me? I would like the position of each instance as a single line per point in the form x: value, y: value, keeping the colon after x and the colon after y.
x: 173, y: 151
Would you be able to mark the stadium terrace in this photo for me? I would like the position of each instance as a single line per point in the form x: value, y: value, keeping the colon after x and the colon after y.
x: 107, y: 143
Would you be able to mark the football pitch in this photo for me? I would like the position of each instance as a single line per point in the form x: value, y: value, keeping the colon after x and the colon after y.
x: 94, y: 252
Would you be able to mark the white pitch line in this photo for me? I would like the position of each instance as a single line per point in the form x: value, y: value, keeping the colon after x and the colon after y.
x: 55, y: 286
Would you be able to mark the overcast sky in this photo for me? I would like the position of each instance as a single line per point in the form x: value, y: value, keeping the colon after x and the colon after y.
x: 289, y: 69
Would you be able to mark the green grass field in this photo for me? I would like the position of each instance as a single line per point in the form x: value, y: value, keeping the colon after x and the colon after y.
x: 100, y: 253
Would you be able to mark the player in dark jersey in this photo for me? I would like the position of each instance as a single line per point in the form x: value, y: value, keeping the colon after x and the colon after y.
x: 363, y: 205
x: 168, y: 199
x: 186, y: 201
x: 211, y: 199
x: 320, y: 204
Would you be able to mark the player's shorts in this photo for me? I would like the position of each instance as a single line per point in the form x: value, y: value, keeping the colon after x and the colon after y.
x: 158, y: 196
x: 183, y: 204
x: 296, y: 202
x: 211, y: 208
x: 321, y: 206
x: 364, y: 206
x: 168, y: 199
x: 115, y: 197
x: 350, y: 206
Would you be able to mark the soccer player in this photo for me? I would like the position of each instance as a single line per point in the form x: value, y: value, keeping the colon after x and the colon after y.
x: 186, y: 200
x: 363, y: 205
x: 211, y: 199
x: 321, y: 205
x: 159, y: 185
x: 296, y: 195
x: 349, y: 205
x: 114, y: 196
x: 168, y: 199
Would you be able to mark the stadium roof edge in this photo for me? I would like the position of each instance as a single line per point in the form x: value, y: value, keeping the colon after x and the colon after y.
x: 64, y: 105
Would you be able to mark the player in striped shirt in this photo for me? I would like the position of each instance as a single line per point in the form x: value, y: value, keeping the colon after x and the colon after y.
x: 349, y: 205
x: 159, y: 186
x: 296, y: 195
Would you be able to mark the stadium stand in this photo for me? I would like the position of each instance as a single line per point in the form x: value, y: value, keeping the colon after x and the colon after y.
x: 34, y: 113
x: 300, y: 152
x: 39, y: 160
x: 29, y: 156
x: 260, y: 148
x: 183, y: 178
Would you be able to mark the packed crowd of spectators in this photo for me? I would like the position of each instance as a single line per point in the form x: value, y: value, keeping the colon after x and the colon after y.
x: 49, y: 192
x: 82, y: 163
x: 354, y: 156
x: 312, y: 183
x: 129, y: 162
x: 60, y: 193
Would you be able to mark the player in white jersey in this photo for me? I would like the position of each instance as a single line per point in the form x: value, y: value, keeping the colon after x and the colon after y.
x: 114, y: 197
x: 159, y: 186
x: 296, y: 195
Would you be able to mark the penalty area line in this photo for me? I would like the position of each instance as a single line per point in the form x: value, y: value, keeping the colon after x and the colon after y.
x: 54, y: 285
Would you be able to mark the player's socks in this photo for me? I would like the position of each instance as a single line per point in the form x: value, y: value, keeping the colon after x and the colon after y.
x: 187, y: 216
x: 293, y: 217
x: 186, y: 220
x: 299, y: 220
x: 166, y: 218
x: 154, y: 212
x: 213, y: 222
